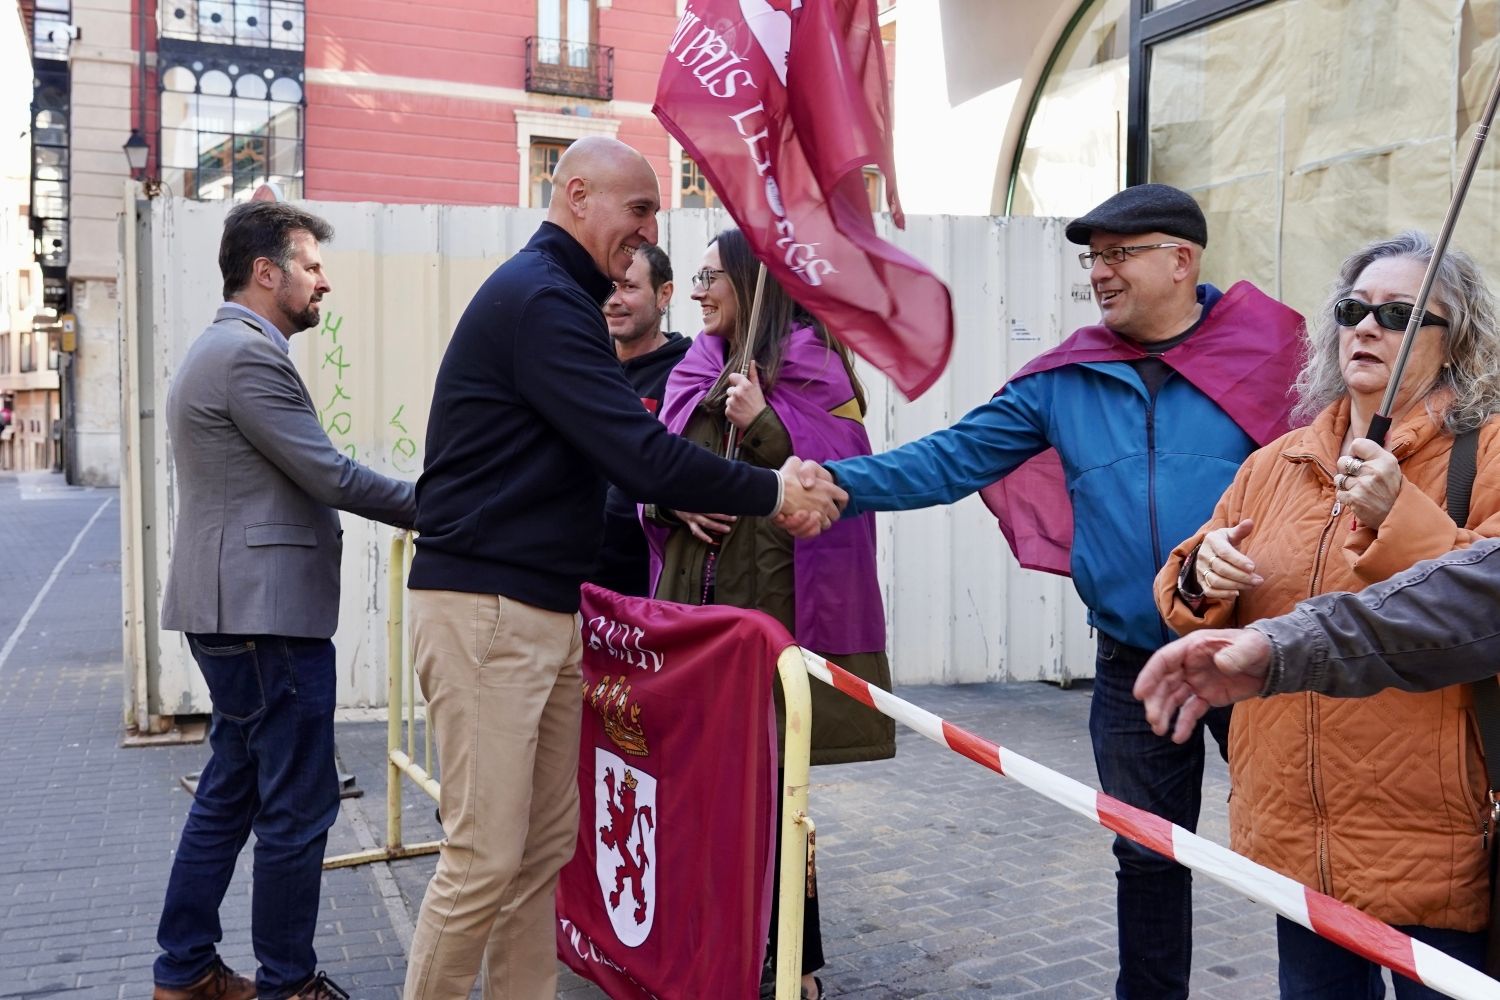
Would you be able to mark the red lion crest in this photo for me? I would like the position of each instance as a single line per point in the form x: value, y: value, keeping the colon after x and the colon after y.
x: 624, y: 821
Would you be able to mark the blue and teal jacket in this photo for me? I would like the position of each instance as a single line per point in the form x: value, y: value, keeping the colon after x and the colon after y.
x: 1142, y: 474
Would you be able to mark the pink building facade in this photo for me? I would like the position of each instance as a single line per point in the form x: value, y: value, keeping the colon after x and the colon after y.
x: 418, y: 103
x: 382, y: 100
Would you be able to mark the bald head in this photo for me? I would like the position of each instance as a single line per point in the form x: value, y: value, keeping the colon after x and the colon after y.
x: 599, y: 159
x: 605, y: 194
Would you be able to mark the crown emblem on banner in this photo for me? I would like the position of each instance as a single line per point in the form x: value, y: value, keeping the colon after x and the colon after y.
x: 622, y: 720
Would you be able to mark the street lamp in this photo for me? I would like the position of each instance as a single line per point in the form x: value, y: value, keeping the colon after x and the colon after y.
x: 136, y: 154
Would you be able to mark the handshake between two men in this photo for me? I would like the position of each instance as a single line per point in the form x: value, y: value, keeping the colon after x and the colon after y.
x: 810, y: 502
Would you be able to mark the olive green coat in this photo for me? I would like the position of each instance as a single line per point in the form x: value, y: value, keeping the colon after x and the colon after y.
x: 754, y: 570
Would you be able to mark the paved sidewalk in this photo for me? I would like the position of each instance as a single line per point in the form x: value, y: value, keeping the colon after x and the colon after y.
x: 939, y: 878
x: 89, y: 828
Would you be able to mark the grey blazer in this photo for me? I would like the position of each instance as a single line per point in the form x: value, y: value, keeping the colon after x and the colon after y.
x: 258, y: 543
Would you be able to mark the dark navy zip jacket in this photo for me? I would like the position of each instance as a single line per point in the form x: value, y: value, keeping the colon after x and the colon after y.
x: 531, y: 415
x: 624, y: 560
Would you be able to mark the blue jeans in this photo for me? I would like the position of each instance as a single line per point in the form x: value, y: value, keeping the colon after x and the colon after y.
x: 1154, y: 895
x: 272, y: 772
x: 1314, y: 968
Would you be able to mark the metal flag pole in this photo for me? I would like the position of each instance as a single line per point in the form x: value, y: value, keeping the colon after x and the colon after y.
x: 731, y: 436
x: 747, y: 352
x: 1381, y: 422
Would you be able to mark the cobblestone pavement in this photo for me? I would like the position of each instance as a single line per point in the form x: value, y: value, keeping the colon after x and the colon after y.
x: 939, y: 878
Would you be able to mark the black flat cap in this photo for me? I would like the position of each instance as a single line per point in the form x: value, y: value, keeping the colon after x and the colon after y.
x: 1145, y: 208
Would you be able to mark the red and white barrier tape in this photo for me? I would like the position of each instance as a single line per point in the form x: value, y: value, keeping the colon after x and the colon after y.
x: 1326, y: 916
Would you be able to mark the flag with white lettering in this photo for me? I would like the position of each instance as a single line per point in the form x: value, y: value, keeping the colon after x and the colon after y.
x: 783, y: 104
x: 669, y: 891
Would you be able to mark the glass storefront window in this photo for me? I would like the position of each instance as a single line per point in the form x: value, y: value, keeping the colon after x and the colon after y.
x: 1301, y: 157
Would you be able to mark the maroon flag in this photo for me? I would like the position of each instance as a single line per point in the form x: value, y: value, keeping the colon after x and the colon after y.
x: 669, y: 891
x: 782, y: 103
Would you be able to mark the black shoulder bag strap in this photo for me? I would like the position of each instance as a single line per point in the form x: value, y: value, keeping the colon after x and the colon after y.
x: 1462, y: 468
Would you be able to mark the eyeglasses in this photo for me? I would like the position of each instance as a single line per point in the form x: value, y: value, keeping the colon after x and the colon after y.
x: 704, y: 279
x: 1117, y: 255
x: 1391, y: 315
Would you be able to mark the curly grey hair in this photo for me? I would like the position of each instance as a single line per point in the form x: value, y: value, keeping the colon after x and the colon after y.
x: 1472, y: 337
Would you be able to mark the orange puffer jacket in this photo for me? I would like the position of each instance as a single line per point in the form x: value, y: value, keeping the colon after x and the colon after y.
x: 1375, y: 801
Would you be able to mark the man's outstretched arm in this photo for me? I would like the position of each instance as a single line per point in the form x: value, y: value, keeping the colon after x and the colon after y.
x: 949, y: 464
x: 1432, y: 626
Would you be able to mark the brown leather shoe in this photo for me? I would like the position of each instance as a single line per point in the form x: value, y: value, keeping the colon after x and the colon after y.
x: 218, y: 983
x: 319, y: 987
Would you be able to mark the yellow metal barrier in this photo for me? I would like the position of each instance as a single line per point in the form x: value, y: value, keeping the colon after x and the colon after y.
x: 797, y: 830
x: 401, y: 686
x: 796, y: 826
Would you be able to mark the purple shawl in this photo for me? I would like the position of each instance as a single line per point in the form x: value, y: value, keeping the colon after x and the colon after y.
x: 1244, y: 357
x: 835, y: 585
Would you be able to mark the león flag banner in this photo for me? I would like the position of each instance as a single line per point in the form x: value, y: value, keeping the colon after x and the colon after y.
x: 782, y: 104
x: 668, y: 894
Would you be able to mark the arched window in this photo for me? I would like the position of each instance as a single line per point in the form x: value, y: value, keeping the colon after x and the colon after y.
x: 1072, y: 147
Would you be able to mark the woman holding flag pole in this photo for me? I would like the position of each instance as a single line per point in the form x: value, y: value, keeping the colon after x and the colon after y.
x: 1377, y: 802
x: 765, y: 379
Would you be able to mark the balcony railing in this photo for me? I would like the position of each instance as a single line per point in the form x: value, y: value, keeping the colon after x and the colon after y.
x: 556, y: 66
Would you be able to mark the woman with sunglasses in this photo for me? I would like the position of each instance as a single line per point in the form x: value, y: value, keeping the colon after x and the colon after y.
x: 798, y: 395
x: 1378, y: 802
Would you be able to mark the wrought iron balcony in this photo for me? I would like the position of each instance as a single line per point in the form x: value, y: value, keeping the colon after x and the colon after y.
x: 557, y: 66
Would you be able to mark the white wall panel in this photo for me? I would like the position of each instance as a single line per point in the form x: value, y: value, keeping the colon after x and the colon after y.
x: 959, y: 608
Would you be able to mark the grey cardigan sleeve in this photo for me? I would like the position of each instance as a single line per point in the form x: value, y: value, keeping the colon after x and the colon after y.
x: 1432, y: 626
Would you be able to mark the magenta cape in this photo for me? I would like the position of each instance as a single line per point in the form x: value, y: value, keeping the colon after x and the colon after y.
x: 836, y: 590
x: 1244, y: 358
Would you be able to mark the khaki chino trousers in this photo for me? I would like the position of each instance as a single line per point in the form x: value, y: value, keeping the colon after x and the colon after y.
x: 503, y: 692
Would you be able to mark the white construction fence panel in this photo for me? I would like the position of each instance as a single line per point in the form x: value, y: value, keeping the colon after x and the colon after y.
x: 960, y: 610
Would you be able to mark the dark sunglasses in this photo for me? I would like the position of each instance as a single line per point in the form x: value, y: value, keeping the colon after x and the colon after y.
x: 1391, y: 315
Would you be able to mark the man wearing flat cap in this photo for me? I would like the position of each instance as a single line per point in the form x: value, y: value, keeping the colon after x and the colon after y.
x: 1097, y: 458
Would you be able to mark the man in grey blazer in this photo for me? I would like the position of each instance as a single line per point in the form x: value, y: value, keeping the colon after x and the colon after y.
x: 254, y: 582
